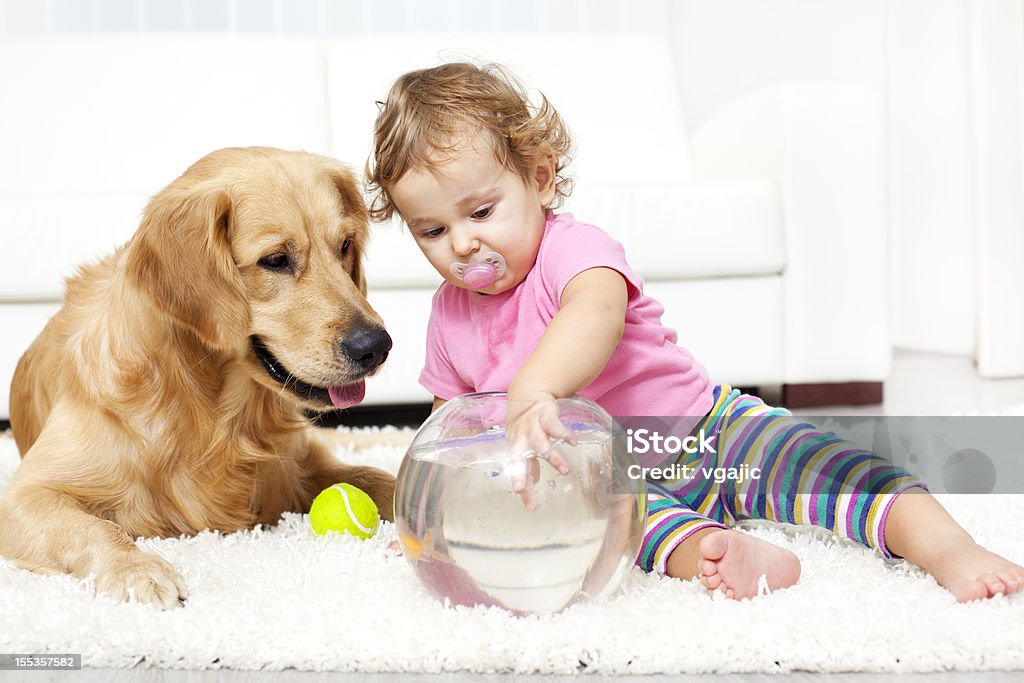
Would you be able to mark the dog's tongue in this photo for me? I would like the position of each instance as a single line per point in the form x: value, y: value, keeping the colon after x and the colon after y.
x: 348, y: 395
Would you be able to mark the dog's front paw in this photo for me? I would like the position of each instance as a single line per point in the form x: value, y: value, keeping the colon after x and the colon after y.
x: 141, y: 577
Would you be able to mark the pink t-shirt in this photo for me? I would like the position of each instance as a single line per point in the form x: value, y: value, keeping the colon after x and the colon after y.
x: 478, y: 342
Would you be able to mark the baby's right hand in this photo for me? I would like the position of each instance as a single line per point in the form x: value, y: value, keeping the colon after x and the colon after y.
x: 532, y: 430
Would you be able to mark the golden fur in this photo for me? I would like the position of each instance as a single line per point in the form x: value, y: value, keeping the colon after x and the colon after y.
x: 144, y: 407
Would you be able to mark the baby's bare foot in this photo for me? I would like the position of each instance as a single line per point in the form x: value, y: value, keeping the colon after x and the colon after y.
x: 970, y: 572
x: 734, y: 562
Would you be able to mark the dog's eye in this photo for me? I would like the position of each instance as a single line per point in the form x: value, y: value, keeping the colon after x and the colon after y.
x: 345, y: 246
x: 275, y: 262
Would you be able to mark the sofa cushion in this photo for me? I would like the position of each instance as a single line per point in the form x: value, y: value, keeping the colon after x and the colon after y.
x: 55, y: 235
x: 719, y: 336
x: 104, y: 122
x: 696, y: 230
x: 129, y: 113
x: 617, y: 92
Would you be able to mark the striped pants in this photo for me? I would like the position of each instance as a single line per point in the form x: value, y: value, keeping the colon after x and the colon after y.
x: 806, y: 477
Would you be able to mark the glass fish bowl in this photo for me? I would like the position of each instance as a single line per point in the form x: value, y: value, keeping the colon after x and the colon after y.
x: 472, y: 540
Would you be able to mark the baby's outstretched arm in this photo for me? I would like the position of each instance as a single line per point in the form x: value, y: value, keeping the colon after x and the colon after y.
x: 572, y: 352
x: 579, y: 340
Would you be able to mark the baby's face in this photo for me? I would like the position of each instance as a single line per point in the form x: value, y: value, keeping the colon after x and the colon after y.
x: 471, y: 205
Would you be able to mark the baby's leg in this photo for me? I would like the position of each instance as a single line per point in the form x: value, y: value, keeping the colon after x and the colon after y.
x: 685, y: 544
x: 803, y: 475
x: 811, y: 477
x: 783, y: 470
x: 919, y: 529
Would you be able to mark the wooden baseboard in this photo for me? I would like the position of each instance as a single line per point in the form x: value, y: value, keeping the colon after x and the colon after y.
x: 831, y: 394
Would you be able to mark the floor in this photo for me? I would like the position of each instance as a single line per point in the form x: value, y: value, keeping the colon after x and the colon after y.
x: 919, y: 385
x: 164, y: 676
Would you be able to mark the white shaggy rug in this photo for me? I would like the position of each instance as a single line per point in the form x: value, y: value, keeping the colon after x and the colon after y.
x: 282, y: 598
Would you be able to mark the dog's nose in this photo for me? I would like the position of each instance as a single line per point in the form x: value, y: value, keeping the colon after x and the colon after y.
x: 367, y: 346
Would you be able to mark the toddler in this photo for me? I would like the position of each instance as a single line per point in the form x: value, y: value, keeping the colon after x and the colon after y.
x: 543, y: 306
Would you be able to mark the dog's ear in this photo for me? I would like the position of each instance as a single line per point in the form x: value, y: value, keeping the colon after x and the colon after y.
x: 181, y: 259
x: 354, y: 207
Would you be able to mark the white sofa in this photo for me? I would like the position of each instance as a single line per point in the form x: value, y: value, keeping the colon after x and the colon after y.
x: 763, y: 232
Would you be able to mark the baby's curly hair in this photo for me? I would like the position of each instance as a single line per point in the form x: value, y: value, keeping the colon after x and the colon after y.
x: 428, y: 110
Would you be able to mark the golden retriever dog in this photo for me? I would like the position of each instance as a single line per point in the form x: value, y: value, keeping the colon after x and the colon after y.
x: 168, y: 394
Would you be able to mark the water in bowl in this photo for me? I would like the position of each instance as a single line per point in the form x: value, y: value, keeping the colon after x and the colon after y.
x: 473, y: 541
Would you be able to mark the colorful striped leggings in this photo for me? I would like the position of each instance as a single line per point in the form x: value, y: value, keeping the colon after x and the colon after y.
x: 806, y: 477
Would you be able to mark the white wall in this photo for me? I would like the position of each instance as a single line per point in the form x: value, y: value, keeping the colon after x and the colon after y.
x: 997, y: 99
x: 914, y: 51
x: 930, y: 175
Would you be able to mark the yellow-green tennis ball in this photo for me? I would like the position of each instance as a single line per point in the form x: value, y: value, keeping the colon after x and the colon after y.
x: 345, y: 509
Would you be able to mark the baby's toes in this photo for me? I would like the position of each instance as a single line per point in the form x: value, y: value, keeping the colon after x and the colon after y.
x: 968, y: 590
x: 993, y: 582
x: 708, y: 568
x: 1009, y: 580
x: 711, y: 582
